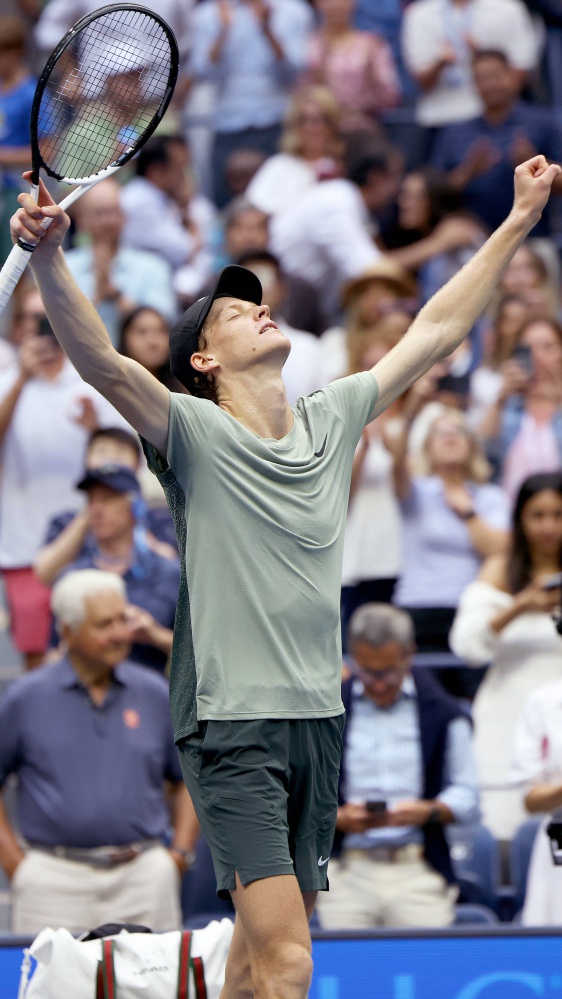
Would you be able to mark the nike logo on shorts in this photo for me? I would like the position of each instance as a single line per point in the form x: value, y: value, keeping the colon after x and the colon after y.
x: 322, y: 862
x: 318, y: 454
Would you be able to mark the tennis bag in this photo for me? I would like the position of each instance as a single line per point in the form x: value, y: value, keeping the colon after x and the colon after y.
x: 176, y: 965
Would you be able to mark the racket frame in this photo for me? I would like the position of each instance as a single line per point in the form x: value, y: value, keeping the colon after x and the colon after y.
x: 36, y: 159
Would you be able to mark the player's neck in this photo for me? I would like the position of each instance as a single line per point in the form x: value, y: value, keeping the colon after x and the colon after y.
x: 259, y: 402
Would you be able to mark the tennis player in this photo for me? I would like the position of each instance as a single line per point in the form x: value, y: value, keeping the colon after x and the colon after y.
x: 257, y: 709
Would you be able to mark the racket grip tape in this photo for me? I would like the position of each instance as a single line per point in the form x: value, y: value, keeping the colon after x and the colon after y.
x: 12, y: 271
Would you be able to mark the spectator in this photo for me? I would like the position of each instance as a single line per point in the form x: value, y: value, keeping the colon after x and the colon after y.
x: 310, y: 151
x: 500, y: 340
x: 46, y: 413
x: 114, y: 277
x: 452, y: 520
x: 165, y: 215
x: 528, y: 275
x: 252, y: 92
x: 68, y: 535
x: 438, y: 39
x: 241, y: 166
x: 17, y: 88
x: 327, y: 236
x: 505, y: 620
x: 94, y: 820
x: 246, y: 230
x: 523, y: 426
x: 372, y: 550
x: 116, y: 518
x: 407, y: 770
x: 301, y: 373
x: 144, y: 337
x: 537, y: 764
x: 382, y: 289
x: 358, y: 66
x: 480, y: 154
x: 58, y: 16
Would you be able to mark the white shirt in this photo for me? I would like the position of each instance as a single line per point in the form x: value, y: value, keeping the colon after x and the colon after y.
x: 279, y: 182
x: 43, y: 458
x: 429, y: 25
x: 58, y: 16
x: 373, y: 535
x: 524, y: 656
x: 301, y: 371
x: 325, y: 238
x: 153, y: 221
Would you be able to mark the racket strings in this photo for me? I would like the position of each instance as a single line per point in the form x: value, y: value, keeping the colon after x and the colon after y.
x: 102, y: 93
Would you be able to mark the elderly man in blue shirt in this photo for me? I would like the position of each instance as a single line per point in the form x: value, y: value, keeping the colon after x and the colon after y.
x: 90, y: 739
x: 253, y: 50
x: 407, y: 770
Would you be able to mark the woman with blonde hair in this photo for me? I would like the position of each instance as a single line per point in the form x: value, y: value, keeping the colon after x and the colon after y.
x: 452, y: 519
x: 310, y: 150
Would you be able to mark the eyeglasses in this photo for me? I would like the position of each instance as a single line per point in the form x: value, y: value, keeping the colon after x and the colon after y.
x: 390, y: 674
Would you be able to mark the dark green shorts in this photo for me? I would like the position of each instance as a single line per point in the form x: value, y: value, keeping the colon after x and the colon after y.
x: 266, y: 795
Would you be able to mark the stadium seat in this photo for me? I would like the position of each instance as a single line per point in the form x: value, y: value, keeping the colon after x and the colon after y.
x: 476, y: 863
x: 520, y: 849
x: 199, y: 891
x: 467, y: 914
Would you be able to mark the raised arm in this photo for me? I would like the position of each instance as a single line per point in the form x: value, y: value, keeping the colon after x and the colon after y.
x: 134, y: 392
x: 448, y: 317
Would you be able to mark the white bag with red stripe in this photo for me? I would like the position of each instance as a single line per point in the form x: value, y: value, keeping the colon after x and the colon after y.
x: 176, y: 965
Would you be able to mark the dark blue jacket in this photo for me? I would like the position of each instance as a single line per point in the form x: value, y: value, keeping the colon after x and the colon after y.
x: 436, y: 710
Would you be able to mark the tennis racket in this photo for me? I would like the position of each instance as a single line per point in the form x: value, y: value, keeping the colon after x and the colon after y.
x: 100, y: 96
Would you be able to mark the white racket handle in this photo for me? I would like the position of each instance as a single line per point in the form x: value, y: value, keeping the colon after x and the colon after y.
x: 21, y: 255
x: 11, y: 273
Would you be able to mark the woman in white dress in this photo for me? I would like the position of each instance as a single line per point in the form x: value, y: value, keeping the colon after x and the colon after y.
x: 505, y: 619
x: 537, y: 769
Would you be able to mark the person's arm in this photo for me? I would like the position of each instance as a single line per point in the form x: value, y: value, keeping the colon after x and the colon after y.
x: 54, y: 557
x: 453, y: 233
x: 186, y: 828
x: 143, y: 628
x: 33, y: 353
x: 134, y: 392
x: 11, y: 853
x: 543, y: 798
x: 448, y: 317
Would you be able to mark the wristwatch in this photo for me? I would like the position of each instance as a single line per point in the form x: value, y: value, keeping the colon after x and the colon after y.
x: 434, y: 816
x: 466, y: 514
x: 188, y: 856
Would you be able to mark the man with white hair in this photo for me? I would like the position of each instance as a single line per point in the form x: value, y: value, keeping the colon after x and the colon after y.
x: 91, y: 741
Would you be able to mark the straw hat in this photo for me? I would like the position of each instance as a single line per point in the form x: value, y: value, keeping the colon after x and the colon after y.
x: 385, y: 271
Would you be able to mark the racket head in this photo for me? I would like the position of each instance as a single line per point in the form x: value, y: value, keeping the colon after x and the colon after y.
x: 102, y: 93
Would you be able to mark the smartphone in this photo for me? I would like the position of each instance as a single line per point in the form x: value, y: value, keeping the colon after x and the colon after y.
x: 553, y: 582
x: 44, y: 328
x: 377, y: 807
x: 524, y: 357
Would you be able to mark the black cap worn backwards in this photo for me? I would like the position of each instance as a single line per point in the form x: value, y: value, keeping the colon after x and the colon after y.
x: 232, y: 282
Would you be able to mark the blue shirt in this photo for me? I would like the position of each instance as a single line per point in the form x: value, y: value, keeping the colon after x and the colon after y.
x: 15, y: 111
x: 143, y: 277
x: 152, y: 583
x: 490, y: 196
x: 89, y: 776
x: 253, y: 85
x: 384, y: 763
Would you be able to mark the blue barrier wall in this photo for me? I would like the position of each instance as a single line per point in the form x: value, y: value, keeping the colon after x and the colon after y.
x: 449, y: 965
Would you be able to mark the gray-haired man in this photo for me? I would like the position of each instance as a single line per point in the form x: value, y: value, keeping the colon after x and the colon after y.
x: 407, y: 770
x: 91, y: 741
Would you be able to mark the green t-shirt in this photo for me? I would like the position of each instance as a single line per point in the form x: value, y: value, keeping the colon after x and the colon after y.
x: 265, y: 521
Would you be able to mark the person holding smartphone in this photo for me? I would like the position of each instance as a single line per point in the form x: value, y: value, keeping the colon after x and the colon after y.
x: 523, y: 427
x: 505, y: 620
x: 407, y: 770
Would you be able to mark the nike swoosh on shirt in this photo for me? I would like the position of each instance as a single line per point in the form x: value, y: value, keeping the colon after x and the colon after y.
x: 318, y: 454
x: 322, y: 862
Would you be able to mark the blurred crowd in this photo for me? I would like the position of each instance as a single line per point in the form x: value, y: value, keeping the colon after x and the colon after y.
x: 354, y: 155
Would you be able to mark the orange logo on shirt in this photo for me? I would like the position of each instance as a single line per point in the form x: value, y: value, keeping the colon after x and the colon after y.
x: 131, y: 718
